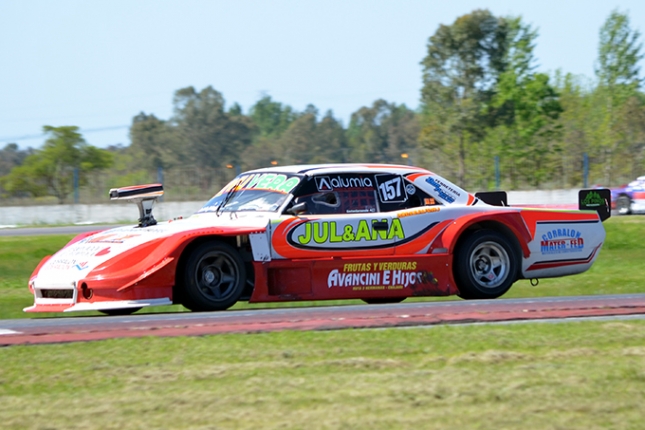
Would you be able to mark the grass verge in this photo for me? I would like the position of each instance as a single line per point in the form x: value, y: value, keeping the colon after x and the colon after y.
x: 585, y: 375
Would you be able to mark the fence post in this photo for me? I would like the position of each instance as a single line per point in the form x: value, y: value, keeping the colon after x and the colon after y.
x: 585, y: 170
x: 497, y: 180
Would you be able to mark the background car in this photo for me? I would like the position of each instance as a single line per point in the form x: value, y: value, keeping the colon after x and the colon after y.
x: 629, y: 198
x: 380, y: 233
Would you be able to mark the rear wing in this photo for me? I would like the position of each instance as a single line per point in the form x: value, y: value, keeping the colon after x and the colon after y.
x: 598, y: 200
x: 144, y: 196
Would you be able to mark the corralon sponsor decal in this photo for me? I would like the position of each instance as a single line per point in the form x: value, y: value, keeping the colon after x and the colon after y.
x: 321, y: 232
x: 561, y: 240
x: 394, y: 275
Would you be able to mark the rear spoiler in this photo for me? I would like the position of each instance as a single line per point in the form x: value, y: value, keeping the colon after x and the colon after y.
x: 598, y: 200
x: 144, y: 196
x: 493, y: 198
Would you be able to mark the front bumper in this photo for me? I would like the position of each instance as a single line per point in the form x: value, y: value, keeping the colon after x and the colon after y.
x: 66, y: 297
x: 97, y: 306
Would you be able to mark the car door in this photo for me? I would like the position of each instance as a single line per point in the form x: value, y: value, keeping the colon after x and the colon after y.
x: 342, y: 218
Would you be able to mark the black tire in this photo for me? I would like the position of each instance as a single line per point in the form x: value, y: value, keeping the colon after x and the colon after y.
x: 214, y: 277
x: 485, y: 265
x: 383, y: 300
x: 122, y: 311
x: 624, y: 205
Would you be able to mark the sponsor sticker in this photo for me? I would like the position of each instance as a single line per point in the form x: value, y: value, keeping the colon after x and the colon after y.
x: 330, y: 183
x: 67, y: 264
x: 81, y: 266
x: 419, y: 211
x: 593, y: 199
x: 443, y: 190
x: 326, y: 232
x: 561, y: 240
x: 276, y: 182
x: 394, y: 275
x: 109, y: 238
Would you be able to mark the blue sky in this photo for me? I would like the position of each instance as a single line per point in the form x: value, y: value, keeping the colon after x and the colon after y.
x: 96, y: 64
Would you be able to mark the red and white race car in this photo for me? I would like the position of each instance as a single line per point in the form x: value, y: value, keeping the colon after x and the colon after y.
x: 380, y: 233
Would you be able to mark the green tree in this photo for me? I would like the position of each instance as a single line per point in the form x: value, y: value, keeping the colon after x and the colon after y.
x: 298, y: 140
x: 460, y: 72
x: 330, y: 141
x: 11, y: 156
x: 527, y: 108
x: 619, y: 53
x: 209, y: 137
x: 617, y: 70
x: 382, y: 132
x: 576, y: 124
x: 271, y: 118
x: 50, y: 170
x: 154, y: 143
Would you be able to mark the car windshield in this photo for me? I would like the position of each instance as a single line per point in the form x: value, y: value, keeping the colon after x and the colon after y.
x: 253, y: 192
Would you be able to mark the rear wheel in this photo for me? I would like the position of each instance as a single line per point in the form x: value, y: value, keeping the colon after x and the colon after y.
x: 485, y: 265
x: 214, y: 277
x: 624, y: 205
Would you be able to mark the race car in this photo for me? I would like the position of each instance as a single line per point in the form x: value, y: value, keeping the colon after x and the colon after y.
x: 629, y: 198
x: 376, y: 232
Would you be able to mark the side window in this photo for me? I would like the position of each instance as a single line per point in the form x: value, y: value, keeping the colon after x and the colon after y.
x: 339, y: 194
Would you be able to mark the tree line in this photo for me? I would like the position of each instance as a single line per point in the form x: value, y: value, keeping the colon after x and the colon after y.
x: 486, y: 112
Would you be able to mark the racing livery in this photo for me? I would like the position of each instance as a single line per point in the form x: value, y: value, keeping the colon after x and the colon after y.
x: 376, y: 232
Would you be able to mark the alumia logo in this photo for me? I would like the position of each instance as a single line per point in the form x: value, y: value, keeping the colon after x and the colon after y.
x: 327, y: 183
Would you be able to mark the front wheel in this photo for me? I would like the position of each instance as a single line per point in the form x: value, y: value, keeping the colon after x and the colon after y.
x: 485, y: 265
x: 214, y: 277
x: 624, y: 205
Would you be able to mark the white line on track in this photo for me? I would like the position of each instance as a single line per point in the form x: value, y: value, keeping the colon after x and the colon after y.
x: 7, y: 331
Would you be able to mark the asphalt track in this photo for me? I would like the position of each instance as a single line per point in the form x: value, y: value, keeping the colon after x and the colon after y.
x: 74, y: 329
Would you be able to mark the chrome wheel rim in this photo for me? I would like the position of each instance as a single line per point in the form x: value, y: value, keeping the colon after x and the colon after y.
x: 489, y: 264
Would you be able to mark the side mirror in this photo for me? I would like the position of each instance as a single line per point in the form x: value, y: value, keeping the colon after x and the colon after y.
x: 297, y: 209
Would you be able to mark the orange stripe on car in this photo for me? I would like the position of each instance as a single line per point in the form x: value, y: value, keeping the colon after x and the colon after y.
x: 423, y: 241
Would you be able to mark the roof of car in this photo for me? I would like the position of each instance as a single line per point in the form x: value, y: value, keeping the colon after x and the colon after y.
x: 311, y: 169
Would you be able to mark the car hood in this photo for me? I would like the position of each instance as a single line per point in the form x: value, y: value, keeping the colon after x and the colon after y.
x: 87, y: 252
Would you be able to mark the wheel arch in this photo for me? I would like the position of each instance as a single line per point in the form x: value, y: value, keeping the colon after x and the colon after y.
x: 186, y: 249
x: 492, y: 225
x: 510, y: 225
